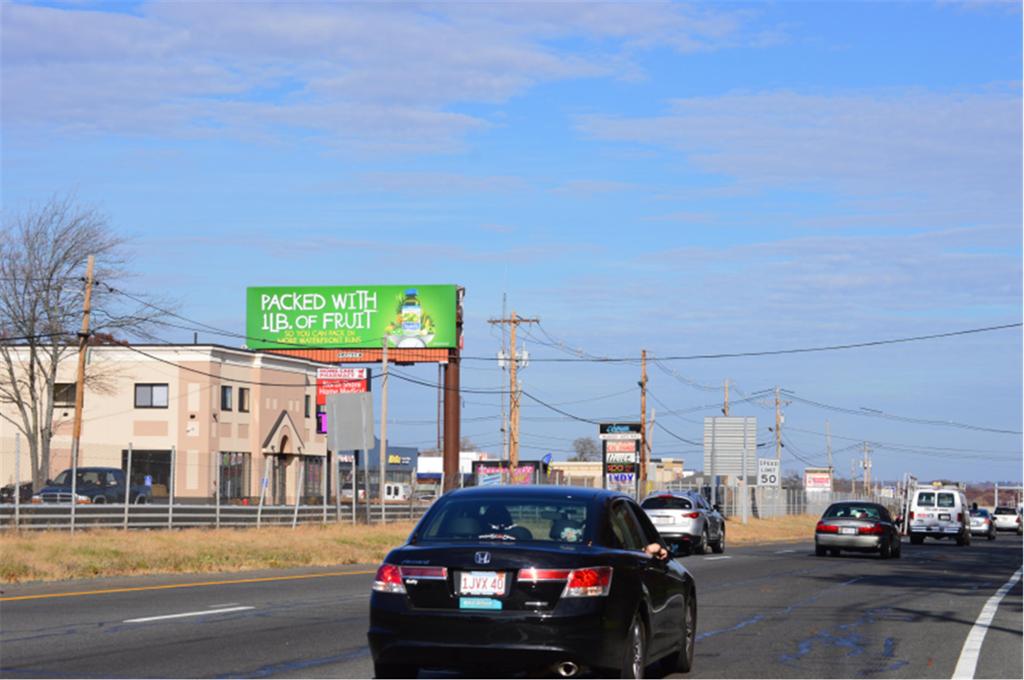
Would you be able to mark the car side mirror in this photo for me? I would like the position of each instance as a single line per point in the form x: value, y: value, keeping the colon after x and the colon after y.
x: 48, y: 482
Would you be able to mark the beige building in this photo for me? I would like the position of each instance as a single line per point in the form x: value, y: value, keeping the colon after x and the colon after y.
x: 246, y: 413
x: 661, y: 471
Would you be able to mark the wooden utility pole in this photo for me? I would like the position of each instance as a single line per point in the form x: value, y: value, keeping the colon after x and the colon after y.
x: 83, y: 342
x: 383, y: 426
x: 778, y: 425
x: 866, y: 483
x: 828, y: 449
x: 513, y: 402
x: 725, y: 407
x: 644, y: 448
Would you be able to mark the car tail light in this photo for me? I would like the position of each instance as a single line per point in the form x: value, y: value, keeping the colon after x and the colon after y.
x: 388, y: 579
x: 911, y: 514
x: 533, y: 575
x: 429, y: 573
x: 959, y: 517
x: 823, y: 528
x: 873, y: 529
x: 1018, y: 519
x: 37, y: 499
x: 589, y: 582
x: 692, y: 515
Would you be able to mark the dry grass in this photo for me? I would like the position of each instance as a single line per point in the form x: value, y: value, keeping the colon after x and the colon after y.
x: 780, y: 530
x: 53, y: 556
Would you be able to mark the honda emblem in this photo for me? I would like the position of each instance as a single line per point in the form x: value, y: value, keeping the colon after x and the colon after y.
x: 482, y: 557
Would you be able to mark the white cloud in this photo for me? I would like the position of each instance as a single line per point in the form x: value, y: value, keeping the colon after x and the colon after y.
x: 365, y: 74
x: 897, y: 147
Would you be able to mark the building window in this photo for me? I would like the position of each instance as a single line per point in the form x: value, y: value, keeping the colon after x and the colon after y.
x: 64, y: 395
x: 225, y: 398
x: 234, y: 475
x: 243, y: 399
x: 151, y: 395
x: 308, y: 401
x: 312, y: 482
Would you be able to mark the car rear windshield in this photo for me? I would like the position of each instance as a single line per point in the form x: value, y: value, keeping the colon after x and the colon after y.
x: 506, y: 520
x: 853, y: 512
x: 1005, y: 511
x: 666, y: 503
x: 926, y: 499
x: 947, y: 500
x: 980, y: 512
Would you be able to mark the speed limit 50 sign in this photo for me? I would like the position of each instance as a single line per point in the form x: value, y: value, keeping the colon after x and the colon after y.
x: 768, y: 472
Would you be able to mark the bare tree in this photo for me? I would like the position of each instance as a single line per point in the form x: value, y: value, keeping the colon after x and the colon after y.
x: 43, y: 252
x: 586, y: 448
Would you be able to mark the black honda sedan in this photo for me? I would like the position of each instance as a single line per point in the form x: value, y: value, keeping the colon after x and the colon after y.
x: 503, y: 579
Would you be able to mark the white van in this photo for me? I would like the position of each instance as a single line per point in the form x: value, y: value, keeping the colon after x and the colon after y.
x: 939, y: 511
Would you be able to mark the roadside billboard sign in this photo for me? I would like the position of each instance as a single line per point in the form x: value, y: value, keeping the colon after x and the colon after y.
x: 411, y: 316
x: 620, y: 466
x: 817, y: 479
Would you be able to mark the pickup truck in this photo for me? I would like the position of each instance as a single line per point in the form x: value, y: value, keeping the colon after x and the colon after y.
x: 94, y: 485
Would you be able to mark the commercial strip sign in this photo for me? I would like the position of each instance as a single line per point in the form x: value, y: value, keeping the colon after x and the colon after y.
x: 817, y: 479
x: 769, y: 472
x: 411, y: 316
x: 340, y: 381
x: 620, y: 463
x: 493, y: 472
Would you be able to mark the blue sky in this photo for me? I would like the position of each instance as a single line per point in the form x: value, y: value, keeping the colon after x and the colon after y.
x: 685, y: 178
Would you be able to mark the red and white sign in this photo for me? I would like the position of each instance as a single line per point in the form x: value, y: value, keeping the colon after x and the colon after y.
x: 621, y: 445
x: 340, y: 381
x: 817, y: 480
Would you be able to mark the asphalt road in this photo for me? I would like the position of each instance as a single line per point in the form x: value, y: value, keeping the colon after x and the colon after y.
x: 764, y: 612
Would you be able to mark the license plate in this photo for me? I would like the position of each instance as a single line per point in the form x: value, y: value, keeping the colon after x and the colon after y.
x: 944, y: 516
x: 482, y: 583
x: 479, y: 603
x: 848, y: 530
x: 665, y: 520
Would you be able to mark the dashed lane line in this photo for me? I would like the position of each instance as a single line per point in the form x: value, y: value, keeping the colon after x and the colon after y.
x: 182, y: 615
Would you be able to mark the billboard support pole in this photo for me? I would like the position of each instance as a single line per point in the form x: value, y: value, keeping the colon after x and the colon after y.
x: 383, y: 429
x: 452, y: 406
x: 127, y: 485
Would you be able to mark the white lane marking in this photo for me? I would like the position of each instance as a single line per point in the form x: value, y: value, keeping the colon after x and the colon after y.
x: 721, y: 557
x: 223, y: 604
x: 182, y: 615
x: 968, y: 662
x: 783, y: 552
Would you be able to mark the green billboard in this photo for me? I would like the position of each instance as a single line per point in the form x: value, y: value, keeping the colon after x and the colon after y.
x: 351, y: 316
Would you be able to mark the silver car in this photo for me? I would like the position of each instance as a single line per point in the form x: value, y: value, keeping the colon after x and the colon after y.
x: 857, y: 526
x: 687, y: 522
x: 982, y: 524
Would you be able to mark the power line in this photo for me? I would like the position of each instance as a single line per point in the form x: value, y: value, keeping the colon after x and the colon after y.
x: 873, y: 413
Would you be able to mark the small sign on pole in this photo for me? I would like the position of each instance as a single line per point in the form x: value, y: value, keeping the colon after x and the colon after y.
x: 768, y: 472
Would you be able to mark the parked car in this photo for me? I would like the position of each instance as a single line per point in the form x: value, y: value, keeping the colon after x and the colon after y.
x: 536, y: 579
x: 857, y: 526
x: 687, y: 522
x: 1007, y: 519
x: 94, y: 485
x: 982, y: 524
x: 939, y: 511
x: 24, y: 493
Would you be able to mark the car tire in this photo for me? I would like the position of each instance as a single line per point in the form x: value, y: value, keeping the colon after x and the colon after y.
x: 394, y: 670
x: 819, y: 551
x: 834, y: 552
x: 899, y: 548
x: 140, y: 500
x: 963, y: 539
x: 99, y: 500
x: 634, y: 659
x: 916, y: 539
x: 885, y: 550
x: 702, y: 547
x: 992, y: 535
x: 719, y: 545
x: 682, y: 661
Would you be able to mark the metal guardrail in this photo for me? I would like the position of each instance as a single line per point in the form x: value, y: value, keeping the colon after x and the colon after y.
x: 58, y: 516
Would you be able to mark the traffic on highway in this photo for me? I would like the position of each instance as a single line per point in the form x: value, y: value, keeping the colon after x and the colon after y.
x: 556, y: 582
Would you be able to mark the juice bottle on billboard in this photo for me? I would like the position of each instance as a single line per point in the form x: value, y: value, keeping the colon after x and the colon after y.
x: 412, y: 313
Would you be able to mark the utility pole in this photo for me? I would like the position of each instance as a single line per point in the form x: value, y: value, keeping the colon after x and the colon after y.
x: 725, y: 407
x: 83, y: 342
x: 644, y: 449
x: 778, y: 423
x: 866, y: 482
x: 383, y: 427
x: 828, y: 449
x: 513, y: 441
x: 440, y: 400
